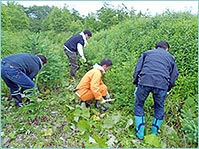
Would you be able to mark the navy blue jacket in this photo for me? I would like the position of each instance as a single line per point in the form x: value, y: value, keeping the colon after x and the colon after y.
x: 25, y: 62
x: 156, y: 68
x: 71, y: 43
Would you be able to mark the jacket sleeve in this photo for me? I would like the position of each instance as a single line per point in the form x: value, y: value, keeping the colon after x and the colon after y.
x: 138, y: 69
x: 173, y: 75
x: 95, y: 85
x: 33, y: 74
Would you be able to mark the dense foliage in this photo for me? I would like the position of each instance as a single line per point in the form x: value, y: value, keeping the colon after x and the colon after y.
x: 58, y: 119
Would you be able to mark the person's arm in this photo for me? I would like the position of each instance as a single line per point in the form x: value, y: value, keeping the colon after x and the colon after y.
x: 138, y: 69
x: 33, y: 74
x: 173, y: 75
x: 80, y: 50
x: 95, y: 86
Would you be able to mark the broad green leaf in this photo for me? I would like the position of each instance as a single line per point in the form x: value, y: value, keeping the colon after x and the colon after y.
x: 152, y: 140
x: 85, y: 113
x: 108, y: 123
x: 116, y: 117
x: 83, y: 125
x: 77, y: 112
x: 83, y: 105
x: 101, y: 141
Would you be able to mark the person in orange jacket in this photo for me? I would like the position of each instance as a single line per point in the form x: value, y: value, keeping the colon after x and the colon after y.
x: 91, y: 85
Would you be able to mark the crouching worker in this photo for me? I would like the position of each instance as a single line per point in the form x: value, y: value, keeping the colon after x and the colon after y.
x: 19, y: 70
x: 91, y: 85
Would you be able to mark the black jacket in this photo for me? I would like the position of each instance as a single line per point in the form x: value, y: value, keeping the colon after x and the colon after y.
x: 25, y: 62
x: 156, y: 68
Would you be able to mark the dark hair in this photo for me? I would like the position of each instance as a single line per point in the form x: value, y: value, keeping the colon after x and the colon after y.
x: 106, y: 62
x: 162, y: 44
x: 88, y: 33
x: 43, y: 58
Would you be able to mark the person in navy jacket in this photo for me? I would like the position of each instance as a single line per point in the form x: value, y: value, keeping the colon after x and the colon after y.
x: 19, y: 70
x: 73, y: 46
x: 155, y: 72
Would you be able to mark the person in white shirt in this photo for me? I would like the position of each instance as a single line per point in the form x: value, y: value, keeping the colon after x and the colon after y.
x: 73, y: 46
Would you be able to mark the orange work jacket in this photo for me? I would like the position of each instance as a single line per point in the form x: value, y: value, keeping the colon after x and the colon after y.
x: 91, y: 81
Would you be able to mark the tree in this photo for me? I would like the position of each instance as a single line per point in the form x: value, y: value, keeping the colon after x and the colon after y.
x: 13, y: 17
x: 37, y: 15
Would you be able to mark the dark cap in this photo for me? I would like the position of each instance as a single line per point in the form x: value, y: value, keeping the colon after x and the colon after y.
x: 88, y: 33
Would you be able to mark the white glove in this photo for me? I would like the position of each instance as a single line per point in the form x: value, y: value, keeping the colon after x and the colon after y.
x: 102, y: 102
x: 22, y: 95
x: 108, y: 95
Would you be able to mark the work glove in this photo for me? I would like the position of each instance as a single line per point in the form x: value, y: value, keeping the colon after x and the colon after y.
x: 22, y: 95
x: 107, y: 100
x: 108, y: 95
x: 102, y: 102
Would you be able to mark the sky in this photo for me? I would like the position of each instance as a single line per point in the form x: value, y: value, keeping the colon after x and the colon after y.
x: 154, y: 7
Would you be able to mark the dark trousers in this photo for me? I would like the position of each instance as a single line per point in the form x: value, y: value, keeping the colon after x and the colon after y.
x: 15, y: 78
x: 159, y: 96
x: 72, y: 56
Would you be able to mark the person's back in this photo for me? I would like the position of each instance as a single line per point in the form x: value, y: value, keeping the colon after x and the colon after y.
x: 25, y: 62
x: 156, y: 68
x: 88, y: 78
x: 73, y: 41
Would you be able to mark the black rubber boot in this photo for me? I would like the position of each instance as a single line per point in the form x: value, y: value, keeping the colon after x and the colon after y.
x: 18, y: 100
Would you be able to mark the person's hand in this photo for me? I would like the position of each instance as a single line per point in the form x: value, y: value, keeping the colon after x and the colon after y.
x: 102, y: 102
x: 83, y: 59
x: 108, y: 95
x: 88, y: 63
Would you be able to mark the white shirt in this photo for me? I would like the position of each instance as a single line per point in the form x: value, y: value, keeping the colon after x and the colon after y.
x: 80, y: 47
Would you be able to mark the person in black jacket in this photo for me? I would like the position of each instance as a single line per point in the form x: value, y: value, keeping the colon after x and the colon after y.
x: 19, y: 70
x: 73, y: 46
x: 155, y: 72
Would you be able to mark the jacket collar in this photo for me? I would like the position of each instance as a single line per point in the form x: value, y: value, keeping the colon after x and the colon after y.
x: 84, y: 38
x: 99, y: 67
x: 40, y: 62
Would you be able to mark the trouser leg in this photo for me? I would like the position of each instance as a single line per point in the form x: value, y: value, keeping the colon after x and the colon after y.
x: 73, y: 62
x: 141, y: 95
x: 159, y: 96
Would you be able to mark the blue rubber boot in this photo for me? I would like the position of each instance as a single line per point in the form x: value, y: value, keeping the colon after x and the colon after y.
x: 156, y: 126
x: 139, y: 123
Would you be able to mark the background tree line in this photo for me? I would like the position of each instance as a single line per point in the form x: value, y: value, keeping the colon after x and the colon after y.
x: 16, y: 17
